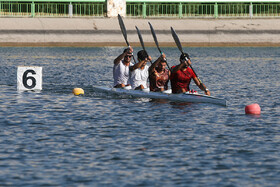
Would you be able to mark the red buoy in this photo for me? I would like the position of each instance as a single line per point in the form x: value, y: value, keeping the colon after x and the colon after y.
x: 253, y: 109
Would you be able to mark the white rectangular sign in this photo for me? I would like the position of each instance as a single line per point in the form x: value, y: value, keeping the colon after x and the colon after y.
x: 29, y: 78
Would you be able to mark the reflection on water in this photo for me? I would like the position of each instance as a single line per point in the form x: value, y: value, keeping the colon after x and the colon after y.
x: 53, y: 138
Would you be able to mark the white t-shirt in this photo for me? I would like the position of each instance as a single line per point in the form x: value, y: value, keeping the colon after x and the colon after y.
x: 140, y: 76
x: 121, y: 73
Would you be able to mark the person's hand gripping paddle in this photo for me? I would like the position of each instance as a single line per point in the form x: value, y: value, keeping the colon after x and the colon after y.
x: 156, y: 41
x: 124, y: 33
x: 141, y: 40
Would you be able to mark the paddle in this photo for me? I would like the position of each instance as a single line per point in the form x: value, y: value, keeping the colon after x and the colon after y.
x: 141, y: 40
x: 124, y: 33
x: 155, y: 39
x: 178, y: 43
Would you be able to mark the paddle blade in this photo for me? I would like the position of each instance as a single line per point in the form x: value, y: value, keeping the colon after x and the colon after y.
x: 178, y: 43
x: 154, y: 36
x: 140, y: 38
x: 176, y: 39
x: 123, y: 29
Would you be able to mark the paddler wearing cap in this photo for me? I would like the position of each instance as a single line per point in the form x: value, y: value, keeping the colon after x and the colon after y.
x: 181, y: 76
x: 121, y: 68
x: 139, y: 72
x: 159, y: 75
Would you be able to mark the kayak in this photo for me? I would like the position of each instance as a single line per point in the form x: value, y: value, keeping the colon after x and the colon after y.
x: 146, y: 93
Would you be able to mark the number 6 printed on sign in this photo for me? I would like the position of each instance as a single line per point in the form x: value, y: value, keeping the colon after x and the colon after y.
x: 29, y: 78
x: 25, y: 78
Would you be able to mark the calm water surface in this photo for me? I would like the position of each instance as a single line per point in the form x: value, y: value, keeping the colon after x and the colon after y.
x: 52, y: 138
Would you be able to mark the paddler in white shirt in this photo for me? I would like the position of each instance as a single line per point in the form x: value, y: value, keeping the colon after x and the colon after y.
x: 121, y: 68
x: 140, y: 71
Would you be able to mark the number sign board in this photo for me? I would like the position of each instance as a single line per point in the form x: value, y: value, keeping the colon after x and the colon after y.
x: 29, y: 78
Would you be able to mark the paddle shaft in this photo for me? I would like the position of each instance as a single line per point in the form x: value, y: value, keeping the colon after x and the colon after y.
x: 156, y: 41
x: 178, y: 43
x: 141, y: 41
x: 123, y: 29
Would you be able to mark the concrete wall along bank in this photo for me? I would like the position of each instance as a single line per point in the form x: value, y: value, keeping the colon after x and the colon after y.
x: 106, y: 32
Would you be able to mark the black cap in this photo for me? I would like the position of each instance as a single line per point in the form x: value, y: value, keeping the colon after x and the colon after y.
x: 184, y: 55
x: 142, y: 54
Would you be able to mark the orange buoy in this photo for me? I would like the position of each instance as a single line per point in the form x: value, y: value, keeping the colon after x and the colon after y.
x: 78, y: 91
x: 253, y: 109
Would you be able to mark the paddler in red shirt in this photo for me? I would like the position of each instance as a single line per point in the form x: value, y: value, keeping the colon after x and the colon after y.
x: 181, y: 76
x: 159, y: 75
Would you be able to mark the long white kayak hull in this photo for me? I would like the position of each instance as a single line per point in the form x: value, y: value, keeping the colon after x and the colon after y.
x: 184, y: 97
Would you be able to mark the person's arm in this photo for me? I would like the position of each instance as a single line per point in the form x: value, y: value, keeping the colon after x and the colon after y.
x: 176, y: 68
x: 139, y: 64
x: 121, y: 56
x: 207, y: 92
x: 181, y: 65
x: 155, y: 64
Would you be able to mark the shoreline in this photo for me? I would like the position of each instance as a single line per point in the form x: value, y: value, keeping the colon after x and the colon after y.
x: 103, y: 32
x: 147, y: 44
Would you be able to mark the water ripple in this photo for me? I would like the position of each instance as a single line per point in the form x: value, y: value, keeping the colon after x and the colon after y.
x: 52, y: 138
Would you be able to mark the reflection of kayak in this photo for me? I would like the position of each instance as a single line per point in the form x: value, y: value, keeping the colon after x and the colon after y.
x: 185, y: 97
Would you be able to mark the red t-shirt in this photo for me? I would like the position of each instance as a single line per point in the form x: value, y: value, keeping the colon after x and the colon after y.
x: 181, y: 79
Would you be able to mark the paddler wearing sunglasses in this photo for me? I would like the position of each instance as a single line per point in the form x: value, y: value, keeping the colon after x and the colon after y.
x: 181, y: 76
x: 121, y: 68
